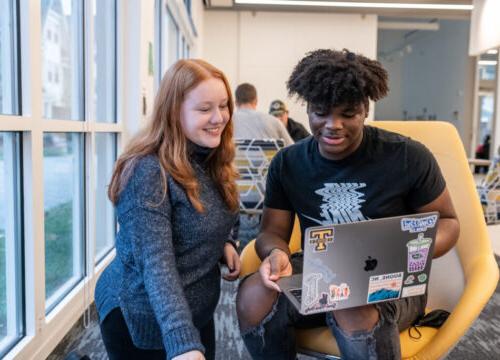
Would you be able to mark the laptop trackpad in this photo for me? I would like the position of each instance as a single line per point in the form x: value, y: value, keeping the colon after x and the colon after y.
x: 290, y: 282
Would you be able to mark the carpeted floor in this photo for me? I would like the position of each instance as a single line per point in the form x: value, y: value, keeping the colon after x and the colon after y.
x: 482, y: 341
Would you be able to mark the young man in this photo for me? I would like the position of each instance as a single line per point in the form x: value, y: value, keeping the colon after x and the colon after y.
x: 296, y: 130
x: 345, y: 172
x: 252, y: 124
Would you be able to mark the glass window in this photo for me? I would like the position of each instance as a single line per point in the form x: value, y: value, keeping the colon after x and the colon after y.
x: 188, y: 6
x: 8, y: 68
x: 105, y: 60
x: 64, y: 213
x: 11, y: 314
x: 184, y: 48
x: 169, y: 41
x: 105, y: 215
x: 62, y: 19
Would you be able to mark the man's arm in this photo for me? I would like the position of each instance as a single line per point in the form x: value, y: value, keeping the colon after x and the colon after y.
x: 272, y: 246
x: 275, y: 231
x: 449, y: 227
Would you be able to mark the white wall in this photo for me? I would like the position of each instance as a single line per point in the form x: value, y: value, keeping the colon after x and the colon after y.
x: 485, y: 30
x: 485, y: 35
x: 435, y: 75
x: 263, y: 47
x: 391, y: 107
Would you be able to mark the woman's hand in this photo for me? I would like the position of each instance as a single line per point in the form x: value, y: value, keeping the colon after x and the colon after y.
x: 190, y: 355
x: 233, y: 262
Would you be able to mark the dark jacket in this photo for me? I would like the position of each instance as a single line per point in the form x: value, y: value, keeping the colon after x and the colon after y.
x: 296, y: 130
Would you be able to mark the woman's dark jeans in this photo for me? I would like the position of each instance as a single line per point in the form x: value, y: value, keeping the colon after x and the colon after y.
x: 119, y: 345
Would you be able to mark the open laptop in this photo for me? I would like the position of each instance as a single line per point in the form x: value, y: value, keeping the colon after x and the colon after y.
x: 366, y: 262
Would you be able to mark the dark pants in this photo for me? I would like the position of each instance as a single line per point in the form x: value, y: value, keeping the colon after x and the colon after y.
x: 119, y: 345
x: 274, y: 337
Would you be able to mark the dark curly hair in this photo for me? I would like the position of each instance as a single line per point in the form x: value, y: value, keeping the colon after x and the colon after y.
x: 330, y: 78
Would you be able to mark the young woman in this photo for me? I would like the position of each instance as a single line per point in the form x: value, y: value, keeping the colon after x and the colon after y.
x: 176, y: 201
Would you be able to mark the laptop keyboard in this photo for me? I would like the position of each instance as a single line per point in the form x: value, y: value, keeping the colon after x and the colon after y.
x: 297, y: 293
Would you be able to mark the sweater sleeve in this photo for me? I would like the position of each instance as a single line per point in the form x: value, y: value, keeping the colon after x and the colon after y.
x: 152, y: 245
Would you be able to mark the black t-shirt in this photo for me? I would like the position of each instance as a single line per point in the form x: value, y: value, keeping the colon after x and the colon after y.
x: 388, y: 175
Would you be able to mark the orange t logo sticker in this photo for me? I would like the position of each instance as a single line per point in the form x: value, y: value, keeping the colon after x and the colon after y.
x: 320, y: 238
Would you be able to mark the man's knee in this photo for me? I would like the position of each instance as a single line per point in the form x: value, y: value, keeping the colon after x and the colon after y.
x: 363, y: 318
x: 253, y: 302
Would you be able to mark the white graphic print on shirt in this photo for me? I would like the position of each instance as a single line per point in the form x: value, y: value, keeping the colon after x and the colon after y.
x: 341, y: 203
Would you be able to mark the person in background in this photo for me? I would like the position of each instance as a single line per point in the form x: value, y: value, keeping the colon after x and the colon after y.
x: 252, y: 124
x: 345, y: 172
x: 295, y: 129
x: 176, y: 200
x: 483, y: 152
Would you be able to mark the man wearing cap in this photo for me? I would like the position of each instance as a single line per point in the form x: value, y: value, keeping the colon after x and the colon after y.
x: 252, y: 124
x: 296, y: 130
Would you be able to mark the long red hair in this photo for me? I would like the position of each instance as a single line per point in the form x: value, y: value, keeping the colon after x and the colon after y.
x: 164, y: 137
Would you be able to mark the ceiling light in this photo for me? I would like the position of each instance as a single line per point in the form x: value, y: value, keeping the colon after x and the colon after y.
x: 492, y: 52
x: 487, y: 62
x: 355, y: 4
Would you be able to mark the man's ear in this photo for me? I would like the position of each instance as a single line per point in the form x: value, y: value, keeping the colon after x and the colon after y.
x: 367, y: 108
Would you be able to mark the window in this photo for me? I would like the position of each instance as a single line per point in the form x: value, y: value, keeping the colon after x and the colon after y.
x: 64, y: 213
x: 11, y: 311
x: 105, y: 216
x: 105, y: 61
x: 188, y: 6
x: 8, y: 67
x: 64, y: 18
x: 54, y: 194
x: 183, y: 47
x: 169, y: 40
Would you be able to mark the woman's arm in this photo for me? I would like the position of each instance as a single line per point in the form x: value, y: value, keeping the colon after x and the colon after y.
x: 147, y: 224
x: 153, y: 250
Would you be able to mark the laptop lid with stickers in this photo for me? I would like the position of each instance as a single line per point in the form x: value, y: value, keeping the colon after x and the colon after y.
x: 349, y: 265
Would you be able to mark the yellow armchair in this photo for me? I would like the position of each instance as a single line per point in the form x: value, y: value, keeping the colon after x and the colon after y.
x: 461, y: 282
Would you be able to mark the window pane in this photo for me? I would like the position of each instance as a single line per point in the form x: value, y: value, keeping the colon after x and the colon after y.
x: 11, y: 318
x: 64, y: 213
x: 105, y: 60
x: 105, y: 214
x: 183, y: 47
x: 8, y: 75
x: 170, y: 41
x: 62, y: 59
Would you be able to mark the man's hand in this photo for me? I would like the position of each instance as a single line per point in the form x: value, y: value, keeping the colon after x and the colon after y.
x: 275, y: 265
x: 190, y: 355
x: 233, y: 262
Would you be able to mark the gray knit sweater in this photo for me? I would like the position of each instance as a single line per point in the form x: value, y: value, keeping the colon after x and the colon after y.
x: 165, y: 277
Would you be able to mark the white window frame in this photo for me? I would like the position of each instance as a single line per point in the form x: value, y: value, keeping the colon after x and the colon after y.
x: 45, y: 331
x: 181, y: 18
x: 13, y: 239
x: 9, y: 73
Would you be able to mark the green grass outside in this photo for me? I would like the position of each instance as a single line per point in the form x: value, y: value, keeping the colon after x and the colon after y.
x: 58, y: 246
x: 58, y: 255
